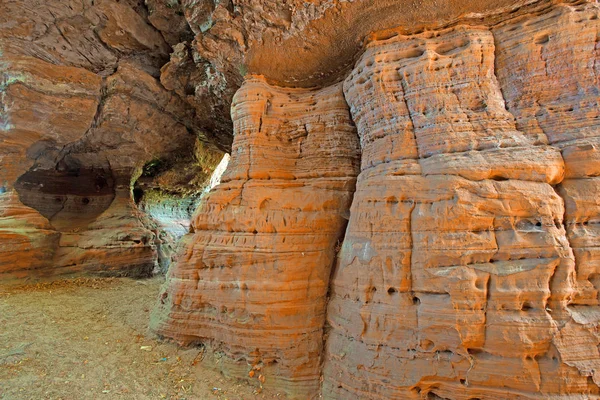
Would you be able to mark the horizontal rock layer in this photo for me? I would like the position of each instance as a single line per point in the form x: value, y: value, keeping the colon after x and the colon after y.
x: 81, y: 112
x: 252, y: 280
x: 464, y: 273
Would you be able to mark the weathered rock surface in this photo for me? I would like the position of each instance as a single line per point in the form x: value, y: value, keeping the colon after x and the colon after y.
x: 252, y: 281
x: 459, y: 153
x: 553, y: 94
x: 292, y: 43
x: 457, y: 278
x: 80, y: 115
x: 168, y: 194
x: 468, y: 267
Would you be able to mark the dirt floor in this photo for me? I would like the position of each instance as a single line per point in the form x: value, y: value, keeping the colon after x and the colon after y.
x: 89, y: 339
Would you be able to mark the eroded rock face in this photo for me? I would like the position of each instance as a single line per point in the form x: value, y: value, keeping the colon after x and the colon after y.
x: 292, y: 43
x: 562, y: 57
x: 469, y: 266
x: 457, y: 278
x: 467, y: 269
x: 81, y: 112
x: 251, y: 283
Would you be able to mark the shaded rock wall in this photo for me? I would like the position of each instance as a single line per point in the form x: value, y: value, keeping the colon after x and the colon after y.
x: 81, y: 111
x: 252, y: 281
x: 170, y: 196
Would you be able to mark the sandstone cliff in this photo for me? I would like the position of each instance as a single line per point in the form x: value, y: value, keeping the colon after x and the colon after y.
x: 456, y: 272
x: 467, y: 268
x: 252, y: 281
x: 411, y: 208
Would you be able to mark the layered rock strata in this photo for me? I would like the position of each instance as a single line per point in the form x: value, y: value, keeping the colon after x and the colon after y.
x: 470, y: 264
x: 468, y: 268
x: 251, y: 283
x: 554, y: 94
x: 81, y: 112
x: 457, y: 278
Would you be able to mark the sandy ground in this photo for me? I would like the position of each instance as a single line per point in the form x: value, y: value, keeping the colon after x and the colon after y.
x: 89, y: 339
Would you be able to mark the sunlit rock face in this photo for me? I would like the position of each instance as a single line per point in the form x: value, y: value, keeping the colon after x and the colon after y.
x: 468, y: 268
x: 252, y: 281
x: 554, y: 94
x: 411, y: 208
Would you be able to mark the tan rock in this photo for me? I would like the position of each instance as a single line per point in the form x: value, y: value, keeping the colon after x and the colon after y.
x: 253, y: 278
x: 452, y: 257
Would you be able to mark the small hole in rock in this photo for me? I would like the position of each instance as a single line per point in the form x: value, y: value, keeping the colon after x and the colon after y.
x: 427, y: 345
x: 542, y: 39
x: 137, y: 195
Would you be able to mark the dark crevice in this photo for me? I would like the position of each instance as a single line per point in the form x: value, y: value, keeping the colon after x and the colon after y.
x: 345, y: 215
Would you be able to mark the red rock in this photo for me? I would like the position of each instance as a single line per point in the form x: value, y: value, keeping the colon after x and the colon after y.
x: 80, y: 115
x: 469, y: 265
x: 28, y: 240
x: 252, y: 281
x: 469, y: 268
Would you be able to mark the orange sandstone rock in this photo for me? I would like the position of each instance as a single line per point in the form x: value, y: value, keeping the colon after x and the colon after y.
x: 468, y: 267
x: 553, y: 93
x: 470, y: 263
x: 455, y: 276
x: 252, y: 280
